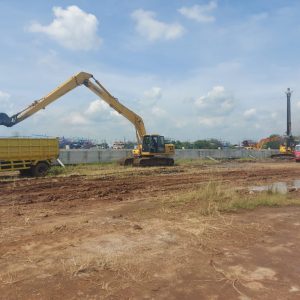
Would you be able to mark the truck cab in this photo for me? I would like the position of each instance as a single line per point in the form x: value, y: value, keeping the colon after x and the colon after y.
x: 297, y: 153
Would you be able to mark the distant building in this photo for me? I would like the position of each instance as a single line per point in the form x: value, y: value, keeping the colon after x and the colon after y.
x: 76, y: 143
x: 118, y: 145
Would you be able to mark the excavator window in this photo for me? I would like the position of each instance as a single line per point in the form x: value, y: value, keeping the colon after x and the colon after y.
x: 161, y: 144
x: 153, y: 144
x: 146, y: 143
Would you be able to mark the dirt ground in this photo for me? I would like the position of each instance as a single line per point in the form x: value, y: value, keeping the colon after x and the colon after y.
x: 106, y: 236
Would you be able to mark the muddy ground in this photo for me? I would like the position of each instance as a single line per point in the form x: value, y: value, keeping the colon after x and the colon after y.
x: 106, y: 236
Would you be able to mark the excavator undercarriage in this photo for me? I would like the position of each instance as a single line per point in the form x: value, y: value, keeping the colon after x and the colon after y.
x: 147, y: 161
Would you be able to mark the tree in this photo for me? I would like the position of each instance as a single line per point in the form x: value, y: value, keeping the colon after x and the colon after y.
x: 208, y: 144
x: 200, y: 144
x: 129, y: 145
x: 273, y: 144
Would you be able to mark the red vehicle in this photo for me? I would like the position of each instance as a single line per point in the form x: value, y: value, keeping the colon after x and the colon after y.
x: 297, y: 153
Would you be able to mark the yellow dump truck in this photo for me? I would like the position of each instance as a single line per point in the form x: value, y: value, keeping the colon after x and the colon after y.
x: 30, y: 156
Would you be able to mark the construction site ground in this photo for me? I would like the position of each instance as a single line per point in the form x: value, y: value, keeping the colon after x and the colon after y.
x: 109, y: 232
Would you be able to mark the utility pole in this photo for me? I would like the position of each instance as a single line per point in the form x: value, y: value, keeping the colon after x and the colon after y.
x: 289, y: 143
x: 289, y: 120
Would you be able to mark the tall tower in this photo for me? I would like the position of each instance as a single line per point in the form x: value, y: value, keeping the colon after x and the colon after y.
x: 288, y: 119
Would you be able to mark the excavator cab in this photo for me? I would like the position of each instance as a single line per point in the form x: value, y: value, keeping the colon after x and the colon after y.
x: 153, y: 151
x: 153, y: 144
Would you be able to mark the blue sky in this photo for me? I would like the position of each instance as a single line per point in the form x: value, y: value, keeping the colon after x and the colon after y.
x: 191, y: 69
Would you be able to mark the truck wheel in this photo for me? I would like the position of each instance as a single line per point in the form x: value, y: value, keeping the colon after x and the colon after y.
x: 40, y: 169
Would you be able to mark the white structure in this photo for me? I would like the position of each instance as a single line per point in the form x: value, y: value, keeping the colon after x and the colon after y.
x: 118, y: 145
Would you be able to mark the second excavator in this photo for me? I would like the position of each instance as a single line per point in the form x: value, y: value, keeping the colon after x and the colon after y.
x: 152, y: 150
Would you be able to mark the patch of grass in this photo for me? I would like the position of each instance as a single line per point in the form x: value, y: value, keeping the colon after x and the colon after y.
x: 113, y: 169
x: 246, y: 159
x: 119, y: 265
x: 87, y: 169
x: 195, y: 161
x: 212, y: 198
x: 56, y: 170
x: 264, y: 199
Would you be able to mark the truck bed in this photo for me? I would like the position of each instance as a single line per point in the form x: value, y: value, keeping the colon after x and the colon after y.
x: 33, y: 149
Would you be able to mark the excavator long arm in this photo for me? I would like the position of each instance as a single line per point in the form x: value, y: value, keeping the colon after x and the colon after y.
x: 113, y: 102
x: 73, y: 82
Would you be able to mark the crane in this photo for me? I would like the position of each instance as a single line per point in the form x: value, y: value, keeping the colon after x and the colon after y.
x: 151, y: 149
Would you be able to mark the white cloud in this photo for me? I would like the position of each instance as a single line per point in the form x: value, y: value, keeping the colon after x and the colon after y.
x: 97, y: 111
x: 114, y: 113
x: 179, y: 123
x: 215, y: 109
x: 149, y: 27
x: 251, y: 112
x: 6, y: 105
x: 211, y: 121
x: 274, y: 115
x: 4, y: 97
x: 217, y: 101
x: 97, y: 106
x: 72, y: 28
x: 153, y: 94
x: 199, y: 13
x: 158, y: 111
x: 75, y: 118
x: 259, y: 17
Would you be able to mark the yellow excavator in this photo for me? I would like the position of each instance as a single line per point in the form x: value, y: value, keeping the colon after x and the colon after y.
x: 285, y: 148
x: 151, y: 148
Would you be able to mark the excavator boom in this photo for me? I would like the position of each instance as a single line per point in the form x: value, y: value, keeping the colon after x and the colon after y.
x: 63, y: 89
x: 113, y: 102
x: 73, y: 82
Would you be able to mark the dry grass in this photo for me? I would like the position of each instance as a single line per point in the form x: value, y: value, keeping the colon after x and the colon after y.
x: 114, y: 168
x: 196, y: 162
x: 109, y: 169
x: 83, y: 169
x: 9, y: 278
x: 213, y: 198
x: 122, y: 266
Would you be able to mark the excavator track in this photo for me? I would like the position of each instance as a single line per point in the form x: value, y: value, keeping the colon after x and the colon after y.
x: 283, y: 156
x: 147, y: 161
x: 126, y: 161
x: 153, y: 161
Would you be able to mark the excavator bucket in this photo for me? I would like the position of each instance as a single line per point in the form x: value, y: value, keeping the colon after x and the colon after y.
x: 5, y: 120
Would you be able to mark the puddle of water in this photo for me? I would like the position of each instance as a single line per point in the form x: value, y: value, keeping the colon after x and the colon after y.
x: 296, y: 184
x: 276, y: 188
x: 263, y: 188
x: 279, y: 188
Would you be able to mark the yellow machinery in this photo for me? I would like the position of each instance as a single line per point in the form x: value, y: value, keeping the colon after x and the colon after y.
x: 260, y: 145
x: 31, y: 156
x: 284, y: 150
x: 151, y: 150
x: 249, y: 145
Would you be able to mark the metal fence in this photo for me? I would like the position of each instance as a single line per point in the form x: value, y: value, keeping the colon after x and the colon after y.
x: 109, y: 155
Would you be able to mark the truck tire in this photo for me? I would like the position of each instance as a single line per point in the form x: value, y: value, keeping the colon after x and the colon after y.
x: 40, y: 169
